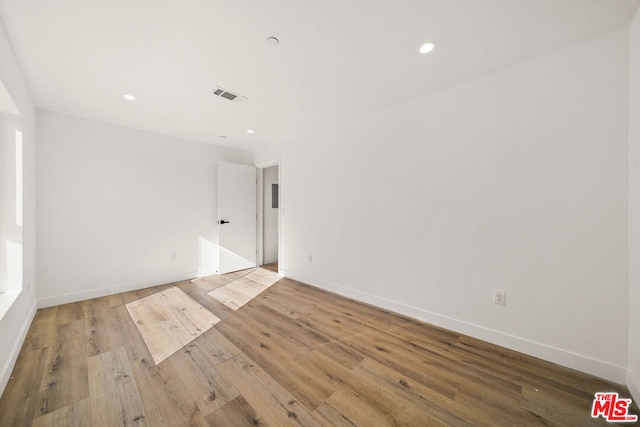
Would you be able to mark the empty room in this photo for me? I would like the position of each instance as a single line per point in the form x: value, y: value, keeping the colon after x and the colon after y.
x: 336, y: 213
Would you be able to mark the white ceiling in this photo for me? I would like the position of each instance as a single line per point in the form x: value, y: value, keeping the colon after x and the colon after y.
x: 337, y: 58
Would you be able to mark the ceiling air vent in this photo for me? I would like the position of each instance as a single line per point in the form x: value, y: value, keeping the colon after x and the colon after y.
x: 226, y: 94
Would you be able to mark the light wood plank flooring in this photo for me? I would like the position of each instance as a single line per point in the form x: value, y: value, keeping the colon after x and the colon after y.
x: 294, y: 355
x: 245, y: 288
x: 271, y: 266
x: 169, y: 320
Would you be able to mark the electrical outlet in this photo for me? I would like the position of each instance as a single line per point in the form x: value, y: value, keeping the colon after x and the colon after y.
x: 310, y: 258
x: 499, y: 297
x: 173, y: 255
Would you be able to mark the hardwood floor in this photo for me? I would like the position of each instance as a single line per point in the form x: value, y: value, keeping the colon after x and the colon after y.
x: 294, y: 355
x: 169, y: 320
x: 271, y: 266
x: 245, y: 288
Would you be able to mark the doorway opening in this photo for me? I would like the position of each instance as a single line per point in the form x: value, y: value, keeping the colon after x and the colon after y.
x: 269, y: 215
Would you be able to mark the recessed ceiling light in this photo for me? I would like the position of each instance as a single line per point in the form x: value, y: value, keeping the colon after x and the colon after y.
x: 273, y: 41
x: 250, y: 131
x: 427, y: 47
x: 129, y: 97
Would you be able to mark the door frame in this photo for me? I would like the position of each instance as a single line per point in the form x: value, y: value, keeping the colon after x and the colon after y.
x: 261, y: 166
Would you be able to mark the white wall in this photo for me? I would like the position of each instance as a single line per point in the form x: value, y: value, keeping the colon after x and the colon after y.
x: 270, y: 230
x: 15, y: 322
x: 116, y: 204
x: 633, y: 375
x: 513, y: 181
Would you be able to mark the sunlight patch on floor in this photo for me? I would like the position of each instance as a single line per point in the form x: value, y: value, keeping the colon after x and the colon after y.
x: 244, y: 288
x: 169, y: 320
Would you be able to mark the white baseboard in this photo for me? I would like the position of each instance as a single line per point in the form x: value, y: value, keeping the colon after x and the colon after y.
x: 110, y: 290
x: 543, y: 351
x: 633, y: 384
x: 7, y: 367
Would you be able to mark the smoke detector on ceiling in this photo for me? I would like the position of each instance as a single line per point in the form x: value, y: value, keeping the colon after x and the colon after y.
x: 228, y: 95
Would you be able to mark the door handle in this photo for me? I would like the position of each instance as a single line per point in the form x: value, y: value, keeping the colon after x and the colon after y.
x: 223, y: 222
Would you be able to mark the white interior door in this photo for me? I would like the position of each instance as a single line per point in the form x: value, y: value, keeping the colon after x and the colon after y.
x: 236, y: 217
